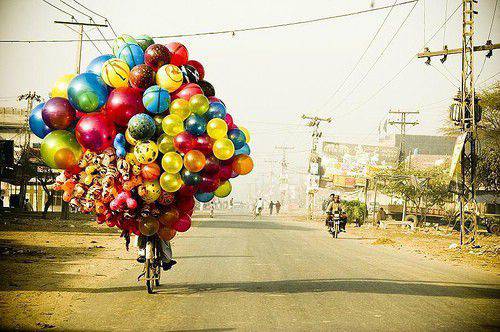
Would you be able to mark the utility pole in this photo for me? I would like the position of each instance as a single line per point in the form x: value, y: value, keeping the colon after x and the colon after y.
x: 30, y: 97
x: 314, y: 161
x: 467, y: 119
x: 284, y: 173
x: 80, y: 33
x: 402, y: 123
x: 271, y: 175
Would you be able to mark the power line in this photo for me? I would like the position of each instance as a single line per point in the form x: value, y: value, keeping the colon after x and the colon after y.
x: 360, y: 58
x: 59, y: 9
x: 101, y: 16
x: 378, y: 58
x: 405, y: 66
x: 219, y: 32
x: 489, y: 35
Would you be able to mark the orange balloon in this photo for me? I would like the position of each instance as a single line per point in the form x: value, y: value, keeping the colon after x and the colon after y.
x: 65, y: 158
x: 66, y: 197
x: 169, y: 218
x: 194, y: 161
x: 166, y: 233
x: 149, y: 226
x: 150, y: 172
x: 242, y: 164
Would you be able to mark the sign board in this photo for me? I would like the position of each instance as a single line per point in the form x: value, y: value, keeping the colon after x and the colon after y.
x: 457, y: 152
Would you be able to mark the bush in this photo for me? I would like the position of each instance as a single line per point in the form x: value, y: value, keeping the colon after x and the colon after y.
x: 355, y: 210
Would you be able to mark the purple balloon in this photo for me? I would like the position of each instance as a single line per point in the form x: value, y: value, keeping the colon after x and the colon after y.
x: 57, y: 113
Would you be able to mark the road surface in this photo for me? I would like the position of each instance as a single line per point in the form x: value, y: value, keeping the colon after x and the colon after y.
x: 235, y: 273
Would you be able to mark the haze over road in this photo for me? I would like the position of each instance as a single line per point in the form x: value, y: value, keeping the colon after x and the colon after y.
x: 234, y: 273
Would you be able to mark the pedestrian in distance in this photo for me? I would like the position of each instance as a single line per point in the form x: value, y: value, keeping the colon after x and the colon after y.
x: 271, y: 206
x: 278, y: 207
x: 258, y: 208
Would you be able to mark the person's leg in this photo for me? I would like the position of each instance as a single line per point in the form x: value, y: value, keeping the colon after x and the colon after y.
x: 140, y: 242
x: 166, y: 255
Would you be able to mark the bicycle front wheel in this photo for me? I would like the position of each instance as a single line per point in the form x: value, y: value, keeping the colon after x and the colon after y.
x: 149, y: 276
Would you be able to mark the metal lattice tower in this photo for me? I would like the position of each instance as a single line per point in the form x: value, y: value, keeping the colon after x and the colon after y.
x: 468, y: 125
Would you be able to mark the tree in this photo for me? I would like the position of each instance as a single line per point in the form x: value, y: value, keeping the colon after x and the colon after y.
x: 488, y: 163
x: 424, y: 188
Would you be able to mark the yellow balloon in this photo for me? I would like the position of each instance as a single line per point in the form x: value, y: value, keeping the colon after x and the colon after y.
x: 165, y: 143
x: 169, y: 77
x: 246, y: 132
x: 216, y: 128
x: 170, y: 182
x: 130, y: 139
x: 131, y: 159
x: 223, y: 148
x: 223, y: 190
x: 60, y: 88
x: 115, y: 73
x: 171, y: 162
x: 172, y: 125
x: 199, y: 104
x: 152, y: 191
x: 146, y: 152
x: 180, y: 107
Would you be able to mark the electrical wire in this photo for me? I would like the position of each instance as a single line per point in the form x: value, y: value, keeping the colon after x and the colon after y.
x: 489, y: 35
x: 359, y: 59
x: 445, y: 15
x: 439, y: 71
x: 412, y: 58
x: 378, y: 58
x: 59, y: 9
x: 219, y: 32
x: 105, y: 20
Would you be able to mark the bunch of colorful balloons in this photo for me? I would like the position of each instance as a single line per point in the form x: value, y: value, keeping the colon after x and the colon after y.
x: 139, y: 136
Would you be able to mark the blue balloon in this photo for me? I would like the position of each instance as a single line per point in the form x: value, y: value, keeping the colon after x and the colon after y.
x: 195, y: 125
x: 156, y: 100
x: 203, y: 197
x: 119, y: 145
x: 216, y: 110
x: 132, y: 54
x: 95, y: 65
x: 87, y: 92
x: 37, y: 126
x: 244, y: 150
x: 237, y: 137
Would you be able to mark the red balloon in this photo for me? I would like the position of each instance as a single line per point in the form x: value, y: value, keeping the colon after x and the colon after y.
x: 198, y: 66
x: 204, y: 144
x: 228, y: 161
x: 183, y: 224
x: 213, y: 99
x: 57, y: 113
x: 225, y: 172
x: 186, y: 191
x: 150, y: 172
x: 123, y: 103
x: 95, y: 132
x: 209, y: 183
x: 184, y: 142
x: 157, y: 55
x: 142, y: 77
x: 179, y: 53
x: 186, y: 91
x: 230, y: 122
x: 212, y: 165
x: 185, y: 204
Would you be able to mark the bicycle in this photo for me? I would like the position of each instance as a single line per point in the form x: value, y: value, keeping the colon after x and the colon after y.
x: 152, y: 266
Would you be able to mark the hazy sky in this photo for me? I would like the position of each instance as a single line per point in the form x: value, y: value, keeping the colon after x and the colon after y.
x: 269, y: 78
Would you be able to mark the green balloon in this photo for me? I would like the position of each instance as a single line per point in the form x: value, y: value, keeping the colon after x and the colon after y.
x: 60, y: 149
x: 144, y: 41
x: 121, y: 40
x: 87, y: 101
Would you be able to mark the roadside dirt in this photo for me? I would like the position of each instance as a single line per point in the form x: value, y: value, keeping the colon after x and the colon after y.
x: 437, y: 244
x: 43, y: 265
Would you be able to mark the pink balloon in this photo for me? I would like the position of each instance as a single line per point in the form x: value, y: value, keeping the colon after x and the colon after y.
x: 183, y: 224
x: 186, y: 91
x: 95, y: 132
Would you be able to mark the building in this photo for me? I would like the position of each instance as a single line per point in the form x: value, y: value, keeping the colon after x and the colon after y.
x: 13, y: 127
x: 421, y: 144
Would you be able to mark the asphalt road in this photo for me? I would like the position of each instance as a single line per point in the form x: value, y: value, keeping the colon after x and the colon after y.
x: 234, y: 273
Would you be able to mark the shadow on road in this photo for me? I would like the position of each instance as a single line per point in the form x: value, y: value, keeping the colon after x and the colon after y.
x: 367, y: 286
x: 251, y: 225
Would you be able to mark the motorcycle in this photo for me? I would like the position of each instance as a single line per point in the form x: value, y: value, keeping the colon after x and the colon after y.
x: 334, y: 221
